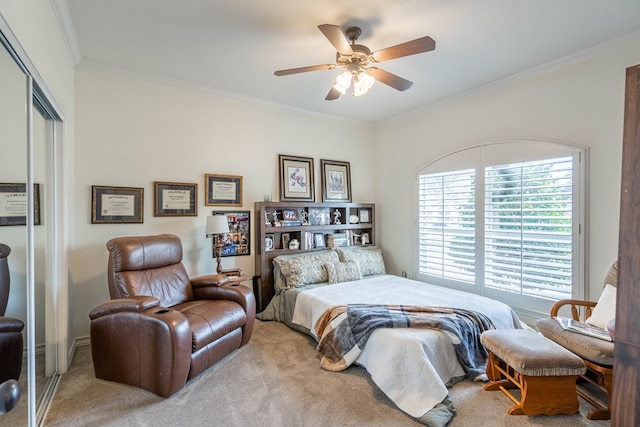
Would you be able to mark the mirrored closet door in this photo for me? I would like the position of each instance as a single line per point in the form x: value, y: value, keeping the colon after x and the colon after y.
x: 28, y: 226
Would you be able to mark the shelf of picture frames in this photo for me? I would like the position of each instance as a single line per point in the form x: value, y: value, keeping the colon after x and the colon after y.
x: 313, y: 225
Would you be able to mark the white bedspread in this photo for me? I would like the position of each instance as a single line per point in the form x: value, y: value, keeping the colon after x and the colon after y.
x: 411, y: 366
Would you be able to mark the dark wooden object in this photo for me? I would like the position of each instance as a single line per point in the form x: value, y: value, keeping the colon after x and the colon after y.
x: 263, y: 286
x: 625, y: 401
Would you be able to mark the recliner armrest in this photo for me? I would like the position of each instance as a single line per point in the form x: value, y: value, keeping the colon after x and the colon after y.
x: 135, y: 341
x: 9, y: 324
x: 209, y: 280
x: 132, y: 304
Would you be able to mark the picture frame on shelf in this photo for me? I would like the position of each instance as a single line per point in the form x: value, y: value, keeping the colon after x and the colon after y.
x: 336, y: 180
x: 13, y: 204
x: 223, y: 190
x: 364, y: 239
x: 290, y: 217
x: 238, y: 241
x: 318, y: 239
x: 117, y: 205
x: 286, y: 238
x: 363, y: 214
x: 268, y: 242
x: 319, y: 216
x: 296, y: 178
x: 175, y: 199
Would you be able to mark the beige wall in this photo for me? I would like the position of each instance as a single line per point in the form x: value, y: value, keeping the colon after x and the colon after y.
x: 580, y: 104
x: 132, y: 132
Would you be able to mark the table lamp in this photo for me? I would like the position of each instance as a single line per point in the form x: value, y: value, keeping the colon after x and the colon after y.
x: 217, y: 225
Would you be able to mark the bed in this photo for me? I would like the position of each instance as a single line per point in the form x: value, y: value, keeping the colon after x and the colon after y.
x: 413, y: 366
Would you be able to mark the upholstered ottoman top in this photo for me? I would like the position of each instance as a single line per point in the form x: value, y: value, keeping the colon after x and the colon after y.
x: 530, y: 353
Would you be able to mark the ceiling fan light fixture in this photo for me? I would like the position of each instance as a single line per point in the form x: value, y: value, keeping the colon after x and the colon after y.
x: 343, y: 81
x: 362, y: 83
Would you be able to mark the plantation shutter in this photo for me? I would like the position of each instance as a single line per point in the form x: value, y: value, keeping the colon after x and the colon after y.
x: 528, y: 228
x: 446, y: 241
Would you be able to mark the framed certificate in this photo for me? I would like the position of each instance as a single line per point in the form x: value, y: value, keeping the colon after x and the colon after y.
x: 13, y: 204
x: 223, y: 190
x: 175, y: 199
x: 116, y: 205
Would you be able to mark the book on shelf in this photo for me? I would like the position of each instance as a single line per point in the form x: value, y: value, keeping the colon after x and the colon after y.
x: 584, y: 328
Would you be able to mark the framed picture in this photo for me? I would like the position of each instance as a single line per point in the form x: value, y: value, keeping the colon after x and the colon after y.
x: 319, y: 216
x: 268, y: 242
x: 237, y: 240
x: 175, y: 199
x: 319, y: 240
x: 336, y: 181
x: 116, y: 205
x: 364, y: 215
x: 286, y: 238
x: 296, y: 179
x: 13, y: 204
x: 223, y: 190
x: 290, y: 217
x: 364, y: 239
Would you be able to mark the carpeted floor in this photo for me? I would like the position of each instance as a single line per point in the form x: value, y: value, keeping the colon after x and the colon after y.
x: 275, y: 380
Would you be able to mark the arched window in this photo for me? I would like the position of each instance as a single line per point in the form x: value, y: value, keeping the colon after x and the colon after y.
x: 504, y: 220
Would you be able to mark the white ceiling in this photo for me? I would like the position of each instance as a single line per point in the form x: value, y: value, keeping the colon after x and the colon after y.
x: 233, y: 47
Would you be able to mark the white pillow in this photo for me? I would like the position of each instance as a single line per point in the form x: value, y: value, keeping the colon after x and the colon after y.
x: 605, y: 310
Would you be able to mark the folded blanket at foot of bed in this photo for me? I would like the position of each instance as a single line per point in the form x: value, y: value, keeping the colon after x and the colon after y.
x: 344, y: 330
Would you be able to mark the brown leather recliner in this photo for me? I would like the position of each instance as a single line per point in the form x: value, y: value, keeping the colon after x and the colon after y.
x: 10, y: 329
x: 161, y: 328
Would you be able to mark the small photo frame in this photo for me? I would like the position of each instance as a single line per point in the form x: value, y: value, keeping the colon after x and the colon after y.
x: 116, y: 205
x: 13, y: 204
x: 336, y: 181
x: 319, y: 216
x: 296, y: 179
x: 223, y: 190
x: 364, y: 215
x: 237, y: 241
x: 175, y: 199
x: 364, y: 239
x: 318, y: 239
x: 286, y: 238
x: 268, y: 242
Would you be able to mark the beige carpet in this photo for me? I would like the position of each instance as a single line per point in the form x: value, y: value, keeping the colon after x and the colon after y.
x: 275, y: 380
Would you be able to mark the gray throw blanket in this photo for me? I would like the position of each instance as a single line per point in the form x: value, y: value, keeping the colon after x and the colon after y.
x: 344, y: 330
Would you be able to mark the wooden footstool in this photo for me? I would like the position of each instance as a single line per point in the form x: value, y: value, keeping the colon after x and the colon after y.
x: 545, y: 372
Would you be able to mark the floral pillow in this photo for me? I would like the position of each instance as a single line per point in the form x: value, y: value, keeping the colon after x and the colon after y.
x: 369, y: 259
x: 338, y: 272
x: 305, y: 269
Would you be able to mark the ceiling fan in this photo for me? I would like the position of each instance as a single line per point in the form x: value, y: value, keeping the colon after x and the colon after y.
x: 355, y: 58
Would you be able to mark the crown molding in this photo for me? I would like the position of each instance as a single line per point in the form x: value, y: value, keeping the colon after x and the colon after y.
x: 63, y: 16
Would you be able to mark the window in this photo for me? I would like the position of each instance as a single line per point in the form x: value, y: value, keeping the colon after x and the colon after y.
x: 507, y: 227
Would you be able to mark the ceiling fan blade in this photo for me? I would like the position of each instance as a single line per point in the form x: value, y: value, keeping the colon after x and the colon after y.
x: 333, y: 94
x: 304, y: 69
x: 390, y: 79
x: 334, y: 34
x: 424, y: 44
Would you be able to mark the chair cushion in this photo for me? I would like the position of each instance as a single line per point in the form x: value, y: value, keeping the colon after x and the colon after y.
x: 593, y: 349
x: 211, y: 319
x: 532, y: 354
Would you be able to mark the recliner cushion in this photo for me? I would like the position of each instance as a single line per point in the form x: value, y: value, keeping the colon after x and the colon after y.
x: 593, y: 349
x: 211, y: 319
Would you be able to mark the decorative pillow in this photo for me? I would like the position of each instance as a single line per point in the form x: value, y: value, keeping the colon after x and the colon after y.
x: 338, y: 272
x: 369, y: 259
x: 605, y: 310
x: 305, y: 269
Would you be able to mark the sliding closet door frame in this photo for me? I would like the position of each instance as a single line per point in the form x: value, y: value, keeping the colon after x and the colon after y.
x: 57, y: 306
